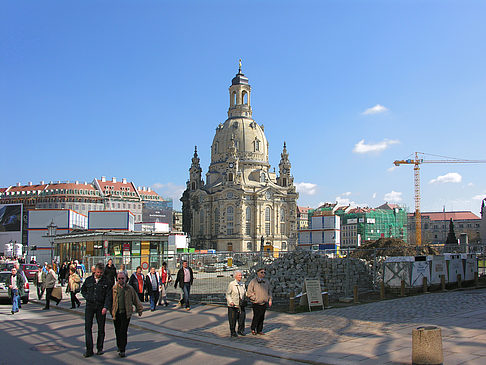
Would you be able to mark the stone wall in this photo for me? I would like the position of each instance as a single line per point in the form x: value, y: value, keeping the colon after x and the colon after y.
x: 337, y: 275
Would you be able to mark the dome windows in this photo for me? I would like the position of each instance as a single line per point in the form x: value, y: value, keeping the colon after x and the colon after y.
x: 256, y: 145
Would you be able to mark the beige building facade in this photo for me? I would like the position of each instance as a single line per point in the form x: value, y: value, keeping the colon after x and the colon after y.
x: 242, y: 203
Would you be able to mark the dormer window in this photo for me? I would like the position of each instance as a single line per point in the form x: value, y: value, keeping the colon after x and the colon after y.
x: 256, y: 145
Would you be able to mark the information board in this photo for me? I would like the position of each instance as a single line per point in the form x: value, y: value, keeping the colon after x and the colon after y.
x: 313, y: 292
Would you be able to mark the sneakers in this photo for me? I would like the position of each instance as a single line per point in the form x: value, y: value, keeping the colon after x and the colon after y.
x: 253, y: 332
x: 100, y: 352
x: 234, y: 335
x: 241, y: 333
x: 188, y: 309
x: 122, y: 354
x: 88, y: 354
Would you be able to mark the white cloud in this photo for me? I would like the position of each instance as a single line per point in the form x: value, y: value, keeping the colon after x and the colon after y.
x: 348, y: 193
x: 169, y: 190
x: 306, y: 188
x: 391, y: 169
x: 344, y: 201
x: 362, y: 147
x: 375, y: 110
x: 451, y: 177
x: 393, y: 197
x: 374, y: 195
x: 470, y: 184
x: 479, y: 197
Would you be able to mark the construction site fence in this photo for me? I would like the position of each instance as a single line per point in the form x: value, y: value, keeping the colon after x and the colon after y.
x: 214, y: 271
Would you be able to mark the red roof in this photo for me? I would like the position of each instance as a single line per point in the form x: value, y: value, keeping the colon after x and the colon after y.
x: 67, y: 186
x: 28, y: 187
x: 388, y: 206
x: 456, y: 216
x: 116, y: 186
x: 303, y: 209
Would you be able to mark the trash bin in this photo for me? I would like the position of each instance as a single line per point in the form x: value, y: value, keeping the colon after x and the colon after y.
x: 454, y: 266
x: 469, y: 265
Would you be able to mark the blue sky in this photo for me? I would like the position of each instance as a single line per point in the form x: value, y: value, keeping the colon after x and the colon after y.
x: 126, y: 89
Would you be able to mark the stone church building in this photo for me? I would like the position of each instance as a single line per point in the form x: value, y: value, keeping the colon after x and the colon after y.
x: 243, y: 203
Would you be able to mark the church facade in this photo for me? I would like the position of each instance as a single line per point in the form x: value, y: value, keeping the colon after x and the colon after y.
x: 242, y: 206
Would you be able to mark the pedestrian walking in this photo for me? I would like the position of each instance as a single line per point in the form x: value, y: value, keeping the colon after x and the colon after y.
x: 236, y: 301
x: 110, y: 272
x: 152, y: 285
x: 73, y: 287
x: 96, y: 291
x: 185, y: 278
x: 39, y: 281
x: 51, y: 280
x: 63, y: 274
x: 137, y: 281
x: 260, y: 295
x: 165, y: 279
x: 15, y: 283
x: 123, y: 269
x: 122, y: 299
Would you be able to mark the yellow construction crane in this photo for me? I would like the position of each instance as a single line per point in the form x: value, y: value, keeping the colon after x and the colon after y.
x: 416, y: 169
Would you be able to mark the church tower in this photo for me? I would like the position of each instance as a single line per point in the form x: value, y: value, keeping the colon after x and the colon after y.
x: 285, y: 179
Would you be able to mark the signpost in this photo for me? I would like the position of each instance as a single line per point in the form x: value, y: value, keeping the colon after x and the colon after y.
x: 312, y: 288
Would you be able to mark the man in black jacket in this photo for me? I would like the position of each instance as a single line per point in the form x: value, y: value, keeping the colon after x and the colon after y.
x: 96, y: 290
x: 110, y: 272
x: 184, y: 279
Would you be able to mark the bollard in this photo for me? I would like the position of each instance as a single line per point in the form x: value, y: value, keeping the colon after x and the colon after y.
x: 427, y: 345
x: 326, y: 300
x: 382, y: 290
x: 476, y: 279
x: 442, y: 282
x: 459, y: 280
x: 292, y: 302
x: 424, y: 283
x: 402, y: 288
x: 355, y: 294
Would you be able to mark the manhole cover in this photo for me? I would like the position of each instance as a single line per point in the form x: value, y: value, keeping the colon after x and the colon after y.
x: 47, y: 348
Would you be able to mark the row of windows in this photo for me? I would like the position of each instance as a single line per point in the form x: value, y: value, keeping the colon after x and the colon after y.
x: 250, y: 246
x: 438, y: 226
x: 53, y: 191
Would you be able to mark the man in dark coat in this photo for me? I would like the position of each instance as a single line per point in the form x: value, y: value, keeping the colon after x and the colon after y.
x: 96, y: 290
x: 110, y: 272
x: 184, y: 279
x: 15, y: 284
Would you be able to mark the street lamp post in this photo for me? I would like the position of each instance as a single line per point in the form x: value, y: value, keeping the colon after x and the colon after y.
x: 51, y: 233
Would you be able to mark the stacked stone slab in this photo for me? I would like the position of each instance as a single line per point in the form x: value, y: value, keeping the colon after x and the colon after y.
x: 337, y: 275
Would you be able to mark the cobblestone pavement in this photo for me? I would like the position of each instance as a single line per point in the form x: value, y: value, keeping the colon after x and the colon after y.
x: 371, y: 333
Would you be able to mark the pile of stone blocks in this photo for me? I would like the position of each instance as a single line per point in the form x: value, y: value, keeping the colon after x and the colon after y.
x: 337, y: 275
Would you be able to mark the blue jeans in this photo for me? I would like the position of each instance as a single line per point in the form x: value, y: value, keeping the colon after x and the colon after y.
x: 154, y: 298
x: 15, y: 300
x: 186, y: 289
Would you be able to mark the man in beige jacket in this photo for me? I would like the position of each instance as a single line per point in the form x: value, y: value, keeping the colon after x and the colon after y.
x: 123, y: 298
x: 235, y: 298
x: 260, y: 295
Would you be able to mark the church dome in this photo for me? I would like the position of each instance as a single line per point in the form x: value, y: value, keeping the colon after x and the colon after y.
x: 240, y: 130
x: 247, y: 137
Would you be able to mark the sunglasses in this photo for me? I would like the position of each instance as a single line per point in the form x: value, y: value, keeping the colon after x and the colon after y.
x: 262, y: 272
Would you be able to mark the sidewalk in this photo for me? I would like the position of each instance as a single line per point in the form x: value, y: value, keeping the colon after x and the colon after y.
x: 375, y: 333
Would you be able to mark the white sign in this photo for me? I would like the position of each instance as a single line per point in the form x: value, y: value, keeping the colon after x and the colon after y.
x: 313, y: 290
x: 352, y: 220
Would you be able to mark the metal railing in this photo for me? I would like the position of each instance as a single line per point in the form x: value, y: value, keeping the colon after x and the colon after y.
x: 213, y: 271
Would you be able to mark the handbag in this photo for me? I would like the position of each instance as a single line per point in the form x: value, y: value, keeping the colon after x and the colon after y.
x: 243, y: 302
